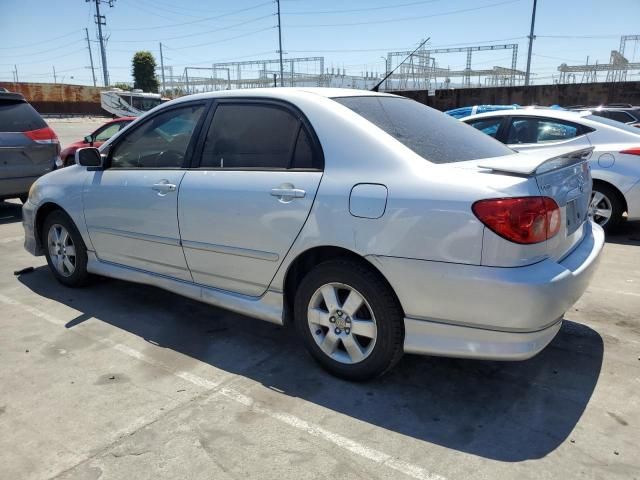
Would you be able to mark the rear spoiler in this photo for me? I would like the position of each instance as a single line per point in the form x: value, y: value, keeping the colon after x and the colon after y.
x: 538, y: 162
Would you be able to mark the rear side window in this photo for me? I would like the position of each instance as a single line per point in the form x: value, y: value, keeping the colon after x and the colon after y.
x: 623, y: 117
x: 257, y: 137
x: 433, y: 135
x: 541, y: 130
x: 19, y: 117
x: 487, y: 126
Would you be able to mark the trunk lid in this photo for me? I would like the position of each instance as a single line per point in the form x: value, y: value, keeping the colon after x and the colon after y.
x: 560, y: 173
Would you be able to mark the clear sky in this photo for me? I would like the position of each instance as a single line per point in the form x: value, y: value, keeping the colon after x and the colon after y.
x: 37, y: 35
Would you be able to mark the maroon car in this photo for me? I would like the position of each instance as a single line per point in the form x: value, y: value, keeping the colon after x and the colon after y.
x: 95, y: 139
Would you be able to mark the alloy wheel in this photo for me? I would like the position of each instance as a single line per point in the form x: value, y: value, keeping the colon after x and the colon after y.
x: 62, y: 251
x: 600, y: 208
x: 342, y: 323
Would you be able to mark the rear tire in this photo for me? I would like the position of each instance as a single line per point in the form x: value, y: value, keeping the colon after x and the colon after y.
x: 349, y: 319
x: 65, y: 250
x: 605, y: 200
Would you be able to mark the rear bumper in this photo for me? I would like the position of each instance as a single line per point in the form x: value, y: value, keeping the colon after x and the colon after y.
x: 633, y: 202
x: 489, y: 312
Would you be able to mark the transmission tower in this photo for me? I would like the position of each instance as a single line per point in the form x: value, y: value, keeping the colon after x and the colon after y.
x: 100, y: 21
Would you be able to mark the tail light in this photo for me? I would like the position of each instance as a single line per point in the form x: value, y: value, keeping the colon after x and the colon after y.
x: 523, y: 220
x: 632, y: 151
x: 42, y: 135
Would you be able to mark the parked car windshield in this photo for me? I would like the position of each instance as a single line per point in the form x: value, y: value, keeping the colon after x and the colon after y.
x: 433, y: 135
x: 614, y: 123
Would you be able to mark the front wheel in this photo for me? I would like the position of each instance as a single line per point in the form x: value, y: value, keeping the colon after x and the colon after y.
x: 65, y: 250
x: 349, y: 319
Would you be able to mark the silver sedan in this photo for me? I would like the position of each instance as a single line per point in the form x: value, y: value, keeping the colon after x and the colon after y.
x: 374, y: 224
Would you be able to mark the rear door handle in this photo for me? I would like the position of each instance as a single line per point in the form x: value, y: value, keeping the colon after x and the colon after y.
x: 163, y: 187
x: 288, y: 193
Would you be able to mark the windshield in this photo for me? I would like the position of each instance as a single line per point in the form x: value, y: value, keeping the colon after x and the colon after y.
x: 431, y: 134
x: 614, y: 123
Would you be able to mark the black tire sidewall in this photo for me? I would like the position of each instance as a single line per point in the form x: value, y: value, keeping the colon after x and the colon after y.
x: 80, y: 274
x: 616, y: 206
x: 389, y: 319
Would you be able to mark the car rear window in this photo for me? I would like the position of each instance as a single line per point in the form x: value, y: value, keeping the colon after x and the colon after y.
x: 19, y: 117
x: 433, y: 135
x: 613, y: 123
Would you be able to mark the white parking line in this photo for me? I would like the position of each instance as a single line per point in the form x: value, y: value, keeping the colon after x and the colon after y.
x: 11, y: 239
x: 381, y: 458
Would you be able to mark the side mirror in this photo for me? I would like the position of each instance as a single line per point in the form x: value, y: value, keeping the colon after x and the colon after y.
x: 89, y: 157
x: 89, y: 139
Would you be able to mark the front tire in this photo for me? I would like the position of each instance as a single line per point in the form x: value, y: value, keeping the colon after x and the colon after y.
x: 349, y: 319
x: 65, y: 250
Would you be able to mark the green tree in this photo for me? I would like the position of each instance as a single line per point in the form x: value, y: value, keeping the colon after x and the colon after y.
x: 122, y: 86
x: 144, y: 72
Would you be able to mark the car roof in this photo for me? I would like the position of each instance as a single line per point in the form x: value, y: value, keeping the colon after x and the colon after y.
x: 285, y: 93
x: 533, y: 112
x: 12, y: 97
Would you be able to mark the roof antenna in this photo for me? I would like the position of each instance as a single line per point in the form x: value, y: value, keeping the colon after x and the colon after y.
x: 377, y: 86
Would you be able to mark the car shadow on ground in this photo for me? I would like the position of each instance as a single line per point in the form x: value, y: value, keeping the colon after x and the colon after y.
x: 10, y: 212
x: 628, y: 233
x: 506, y: 411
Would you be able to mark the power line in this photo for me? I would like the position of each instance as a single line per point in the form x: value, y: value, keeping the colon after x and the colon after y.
x: 41, y: 42
x: 404, y: 19
x: 46, y: 51
x: 367, y: 9
x: 256, y: 19
x: 222, y: 40
x: 206, y: 19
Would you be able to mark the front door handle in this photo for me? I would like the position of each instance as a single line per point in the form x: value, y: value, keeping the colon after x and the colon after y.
x: 287, y: 194
x: 163, y: 187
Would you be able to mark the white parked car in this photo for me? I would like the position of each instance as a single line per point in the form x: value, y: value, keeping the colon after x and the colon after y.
x: 615, y: 161
x: 373, y: 223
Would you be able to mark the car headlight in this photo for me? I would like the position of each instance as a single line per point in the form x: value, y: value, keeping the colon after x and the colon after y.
x: 32, y: 189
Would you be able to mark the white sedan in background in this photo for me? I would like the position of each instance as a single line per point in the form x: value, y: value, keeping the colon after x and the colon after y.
x: 615, y: 161
x: 375, y: 224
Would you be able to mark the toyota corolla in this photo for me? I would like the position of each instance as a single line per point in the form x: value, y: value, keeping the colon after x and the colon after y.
x: 374, y: 224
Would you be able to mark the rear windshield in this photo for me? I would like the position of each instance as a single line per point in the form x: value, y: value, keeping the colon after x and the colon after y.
x: 19, y: 117
x: 431, y: 134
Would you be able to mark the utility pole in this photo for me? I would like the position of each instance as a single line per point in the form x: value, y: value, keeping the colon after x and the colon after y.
x: 162, y: 67
x: 280, y: 45
x: 93, y: 72
x: 102, y: 20
x: 16, y: 68
x: 531, y: 37
x: 55, y: 80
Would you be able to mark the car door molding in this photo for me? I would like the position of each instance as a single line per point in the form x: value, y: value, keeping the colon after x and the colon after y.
x: 135, y: 235
x: 237, y: 251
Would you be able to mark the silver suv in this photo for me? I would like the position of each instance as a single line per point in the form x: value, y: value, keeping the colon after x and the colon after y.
x: 28, y: 147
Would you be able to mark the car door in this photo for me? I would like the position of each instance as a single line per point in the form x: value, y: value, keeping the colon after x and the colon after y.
x: 131, y: 207
x: 529, y: 133
x: 243, y: 205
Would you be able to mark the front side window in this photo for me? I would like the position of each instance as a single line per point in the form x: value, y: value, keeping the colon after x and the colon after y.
x: 258, y: 137
x: 435, y: 136
x: 105, y: 133
x: 160, y: 142
x: 488, y: 126
x: 540, y: 130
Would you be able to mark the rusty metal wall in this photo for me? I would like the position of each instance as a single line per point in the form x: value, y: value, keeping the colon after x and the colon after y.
x: 59, y: 98
x: 588, y: 94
